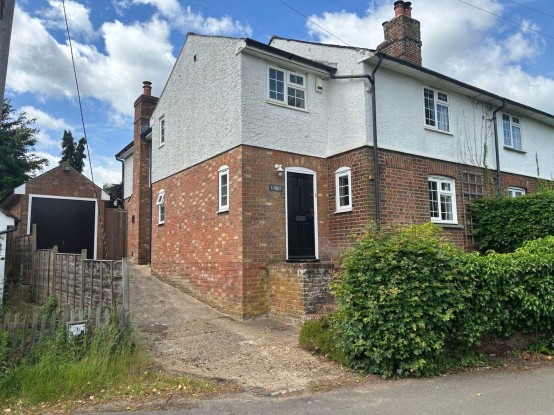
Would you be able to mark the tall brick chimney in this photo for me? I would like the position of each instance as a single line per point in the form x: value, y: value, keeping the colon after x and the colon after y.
x: 138, y: 207
x: 402, y: 35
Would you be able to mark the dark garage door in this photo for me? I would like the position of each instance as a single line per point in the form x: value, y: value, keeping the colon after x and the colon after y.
x: 67, y: 223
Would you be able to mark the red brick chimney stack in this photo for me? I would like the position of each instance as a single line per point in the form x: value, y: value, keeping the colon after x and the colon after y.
x: 402, y: 35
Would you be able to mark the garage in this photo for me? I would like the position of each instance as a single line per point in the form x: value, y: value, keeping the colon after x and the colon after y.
x: 68, y: 223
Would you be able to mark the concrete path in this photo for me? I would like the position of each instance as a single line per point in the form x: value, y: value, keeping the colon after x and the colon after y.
x: 187, y: 337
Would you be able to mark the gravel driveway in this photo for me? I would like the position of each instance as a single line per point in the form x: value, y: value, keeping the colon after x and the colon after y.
x: 186, y: 336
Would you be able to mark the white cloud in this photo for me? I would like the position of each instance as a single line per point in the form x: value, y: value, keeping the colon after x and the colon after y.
x: 78, y: 17
x: 460, y: 41
x: 50, y: 128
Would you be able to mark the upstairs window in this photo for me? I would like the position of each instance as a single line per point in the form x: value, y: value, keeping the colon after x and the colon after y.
x: 436, y: 109
x: 442, y: 200
x: 287, y: 87
x: 160, y: 202
x: 223, y: 189
x: 343, y: 189
x: 512, y: 131
x: 162, y: 131
x: 515, y: 191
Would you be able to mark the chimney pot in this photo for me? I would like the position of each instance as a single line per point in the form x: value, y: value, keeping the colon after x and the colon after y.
x: 408, y: 8
x: 147, y: 88
x: 398, y: 8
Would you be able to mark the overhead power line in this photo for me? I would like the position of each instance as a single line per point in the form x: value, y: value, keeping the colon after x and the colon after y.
x: 508, y: 20
x: 312, y: 22
x: 531, y: 8
x: 79, y: 97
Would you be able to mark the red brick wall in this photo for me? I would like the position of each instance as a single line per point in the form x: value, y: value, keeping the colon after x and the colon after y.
x: 344, y: 224
x: 56, y: 182
x: 198, y: 249
x: 402, y: 39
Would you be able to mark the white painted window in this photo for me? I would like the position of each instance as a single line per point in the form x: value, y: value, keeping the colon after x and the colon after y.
x: 287, y: 87
x: 160, y: 202
x: 512, y: 131
x: 223, y: 188
x: 442, y: 199
x: 162, y: 131
x: 343, y: 189
x: 516, y: 191
x: 436, y: 109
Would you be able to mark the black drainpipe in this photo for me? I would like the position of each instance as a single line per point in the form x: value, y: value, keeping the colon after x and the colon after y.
x: 497, y: 148
x: 371, y: 79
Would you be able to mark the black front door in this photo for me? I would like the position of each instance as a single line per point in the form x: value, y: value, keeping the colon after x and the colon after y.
x: 300, y: 216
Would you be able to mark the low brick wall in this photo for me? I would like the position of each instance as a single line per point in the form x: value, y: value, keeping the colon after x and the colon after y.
x: 299, y: 289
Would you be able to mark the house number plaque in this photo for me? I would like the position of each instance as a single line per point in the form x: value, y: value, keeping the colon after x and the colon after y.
x: 275, y: 188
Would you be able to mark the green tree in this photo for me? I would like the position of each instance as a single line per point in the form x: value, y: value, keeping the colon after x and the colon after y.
x: 18, y: 162
x: 115, y: 191
x: 73, y: 153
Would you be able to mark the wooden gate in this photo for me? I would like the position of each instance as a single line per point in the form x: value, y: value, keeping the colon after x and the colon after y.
x: 116, y: 233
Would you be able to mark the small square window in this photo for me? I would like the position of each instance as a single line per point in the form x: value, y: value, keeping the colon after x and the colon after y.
x: 287, y: 87
x: 223, y: 189
x: 516, y: 191
x: 343, y: 189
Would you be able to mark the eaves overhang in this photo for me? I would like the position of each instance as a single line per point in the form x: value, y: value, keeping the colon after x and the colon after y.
x: 278, y: 56
x: 125, y: 151
x: 440, y: 81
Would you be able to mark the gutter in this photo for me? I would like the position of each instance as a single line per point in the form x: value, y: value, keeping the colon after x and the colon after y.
x: 497, y: 148
x: 122, y: 176
x: 376, y: 174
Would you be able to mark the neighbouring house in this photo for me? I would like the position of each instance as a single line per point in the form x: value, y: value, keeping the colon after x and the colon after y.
x: 7, y: 222
x: 67, y: 209
x: 248, y: 174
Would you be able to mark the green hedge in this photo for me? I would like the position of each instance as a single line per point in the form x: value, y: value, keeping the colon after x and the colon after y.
x: 411, y: 303
x: 505, y: 224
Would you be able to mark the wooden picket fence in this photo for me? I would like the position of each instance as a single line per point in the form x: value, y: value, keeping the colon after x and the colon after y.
x: 27, y: 330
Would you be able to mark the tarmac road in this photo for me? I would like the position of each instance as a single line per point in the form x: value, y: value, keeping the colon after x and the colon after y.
x: 506, y: 392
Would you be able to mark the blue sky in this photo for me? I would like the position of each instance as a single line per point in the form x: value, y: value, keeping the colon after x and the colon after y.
x: 120, y: 43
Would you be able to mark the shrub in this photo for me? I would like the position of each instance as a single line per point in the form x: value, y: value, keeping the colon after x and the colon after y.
x: 505, y: 224
x: 402, y: 302
x: 320, y: 336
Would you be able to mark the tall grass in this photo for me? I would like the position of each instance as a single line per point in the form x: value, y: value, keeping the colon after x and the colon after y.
x: 65, y: 369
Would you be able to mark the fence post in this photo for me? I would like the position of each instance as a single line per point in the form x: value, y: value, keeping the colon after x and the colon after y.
x: 54, y: 268
x: 33, y: 253
x: 83, y: 256
x: 125, y: 277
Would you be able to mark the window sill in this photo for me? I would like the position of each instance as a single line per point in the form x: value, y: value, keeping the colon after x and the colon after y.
x: 515, y: 150
x: 436, y: 130
x: 161, y: 145
x: 343, y: 210
x: 161, y: 223
x: 449, y: 225
x: 282, y: 104
x: 223, y: 210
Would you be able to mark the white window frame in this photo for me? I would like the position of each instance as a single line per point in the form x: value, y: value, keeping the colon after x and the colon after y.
x: 160, y: 202
x: 287, y: 83
x: 162, y: 131
x: 514, y: 123
x: 340, y: 173
x: 223, y: 171
x: 440, y: 192
x: 514, y: 191
x: 436, y: 103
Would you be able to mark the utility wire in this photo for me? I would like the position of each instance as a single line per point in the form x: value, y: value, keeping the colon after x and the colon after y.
x: 531, y: 8
x: 314, y: 23
x: 79, y: 97
x: 508, y: 20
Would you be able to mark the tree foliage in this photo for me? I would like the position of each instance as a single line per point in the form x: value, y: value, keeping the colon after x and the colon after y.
x: 115, y: 191
x: 18, y: 138
x: 73, y: 153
